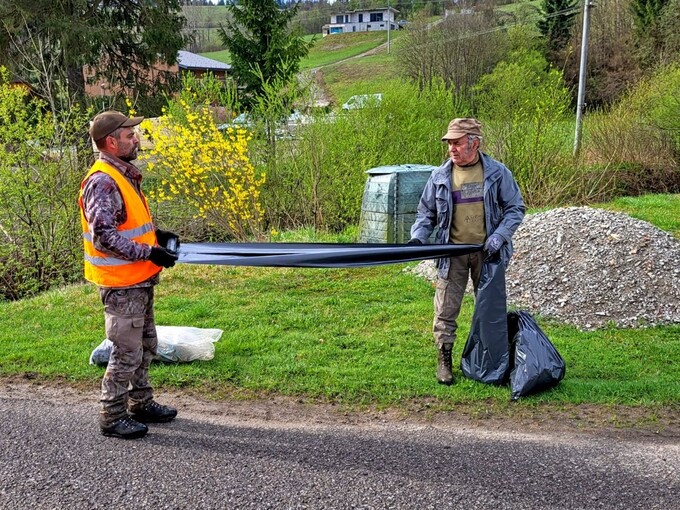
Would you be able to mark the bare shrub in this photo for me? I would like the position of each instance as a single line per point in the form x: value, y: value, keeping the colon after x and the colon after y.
x: 459, y: 50
x: 42, y: 160
x: 640, y: 135
x: 612, y: 56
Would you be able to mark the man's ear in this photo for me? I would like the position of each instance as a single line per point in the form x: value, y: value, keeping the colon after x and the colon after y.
x: 110, y: 142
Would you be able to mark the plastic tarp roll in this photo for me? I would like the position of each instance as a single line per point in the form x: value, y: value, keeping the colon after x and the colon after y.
x: 486, y: 355
x: 315, y: 254
x: 537, y: 364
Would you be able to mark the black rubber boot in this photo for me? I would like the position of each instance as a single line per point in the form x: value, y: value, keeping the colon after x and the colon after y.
x: 444, y: 365
x: 125, y: 428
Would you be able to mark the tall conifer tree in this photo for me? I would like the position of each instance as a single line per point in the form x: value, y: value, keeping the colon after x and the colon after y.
x: 557, y: 20
x: 262, y: 45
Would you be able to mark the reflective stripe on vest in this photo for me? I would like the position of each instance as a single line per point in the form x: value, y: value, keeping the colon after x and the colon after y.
x: 105, y: 269
x: 128, y: 234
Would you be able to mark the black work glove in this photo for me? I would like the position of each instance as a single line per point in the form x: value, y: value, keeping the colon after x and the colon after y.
x: 415, y: 241
x: 162, y: 257
x: 492, y: 246
x: 168, y: 240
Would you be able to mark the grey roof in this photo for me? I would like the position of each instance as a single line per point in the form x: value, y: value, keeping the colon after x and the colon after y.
x: 188, y: 60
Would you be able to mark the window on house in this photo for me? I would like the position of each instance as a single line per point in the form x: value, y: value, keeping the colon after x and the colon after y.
x: 376, y: 16
x: 361, y: 18
x: 338, y: 19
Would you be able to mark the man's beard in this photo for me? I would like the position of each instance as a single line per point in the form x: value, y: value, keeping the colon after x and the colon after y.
x: 131, y: 156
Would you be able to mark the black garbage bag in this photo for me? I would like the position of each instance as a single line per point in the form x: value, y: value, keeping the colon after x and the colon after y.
x: 486, y: 355
x: 537, y: 364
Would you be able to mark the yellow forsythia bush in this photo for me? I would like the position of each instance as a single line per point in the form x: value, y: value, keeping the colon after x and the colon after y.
x: 208, y: 169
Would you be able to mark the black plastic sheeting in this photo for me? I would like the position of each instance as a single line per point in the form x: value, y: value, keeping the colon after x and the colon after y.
x: 537, y: 364
x: 315, y: 254
x: 486, y: 355
x: 501, y: 348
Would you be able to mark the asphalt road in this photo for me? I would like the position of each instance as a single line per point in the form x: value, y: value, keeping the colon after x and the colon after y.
x: 215, y: 456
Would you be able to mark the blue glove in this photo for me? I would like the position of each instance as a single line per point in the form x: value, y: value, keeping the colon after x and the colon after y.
x: 493, y: 245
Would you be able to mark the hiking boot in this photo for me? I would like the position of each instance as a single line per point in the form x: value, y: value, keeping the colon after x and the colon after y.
x: 153, y: 412
x: 444, y: 367
x: 125, y: 428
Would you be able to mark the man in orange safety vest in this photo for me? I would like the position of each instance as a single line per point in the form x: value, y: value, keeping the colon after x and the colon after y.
x: 124, y: 254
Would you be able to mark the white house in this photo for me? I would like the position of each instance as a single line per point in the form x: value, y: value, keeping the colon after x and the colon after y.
x: 362, y: 20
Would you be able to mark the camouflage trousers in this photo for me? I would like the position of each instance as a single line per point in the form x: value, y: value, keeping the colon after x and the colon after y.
x: 131, y: 328
x: 449, y: 293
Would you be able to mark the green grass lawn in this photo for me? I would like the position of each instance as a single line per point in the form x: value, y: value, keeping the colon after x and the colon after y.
x: 334, y: 48
x: 344, y: 78
x: 369, y: 76
x: 661, y: 210
x: 348, y: 336
x: 328, y: 50
x: 365, y: 75
x: 221, y: 56
x: 524, y: 11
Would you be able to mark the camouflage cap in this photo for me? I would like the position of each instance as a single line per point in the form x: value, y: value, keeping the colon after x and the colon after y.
x: 462, y: 127
x: 107, y: 122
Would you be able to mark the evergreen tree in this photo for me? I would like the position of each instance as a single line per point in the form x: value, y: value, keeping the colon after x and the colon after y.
x: 649, y: 34
x: 646, y: 13
x: 557, y: 20
x: 263, y: 48
x: 119, y: 39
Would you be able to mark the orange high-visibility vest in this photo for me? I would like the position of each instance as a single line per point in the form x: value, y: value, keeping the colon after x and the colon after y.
x: 107, y: 270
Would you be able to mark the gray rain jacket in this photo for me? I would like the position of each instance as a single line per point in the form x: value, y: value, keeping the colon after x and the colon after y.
x: 503, y: 207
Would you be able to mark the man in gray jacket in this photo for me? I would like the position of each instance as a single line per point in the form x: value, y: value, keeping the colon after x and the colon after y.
x: 471, y: 199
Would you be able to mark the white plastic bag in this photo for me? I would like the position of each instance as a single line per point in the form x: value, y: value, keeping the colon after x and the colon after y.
x: 175, y: 344
x: 184, y: 343
x: 100, y: 354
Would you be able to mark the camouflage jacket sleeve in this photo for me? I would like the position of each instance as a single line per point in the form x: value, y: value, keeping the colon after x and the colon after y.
x: 105, y: 211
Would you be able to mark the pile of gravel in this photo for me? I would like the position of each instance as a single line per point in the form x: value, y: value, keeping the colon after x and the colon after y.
x: 590, y: 268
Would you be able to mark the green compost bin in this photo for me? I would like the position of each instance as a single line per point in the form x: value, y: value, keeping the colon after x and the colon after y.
x: 390, y: 202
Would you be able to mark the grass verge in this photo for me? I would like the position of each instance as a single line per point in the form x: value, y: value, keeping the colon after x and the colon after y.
x: 661, y: 210
x: 354, y: 336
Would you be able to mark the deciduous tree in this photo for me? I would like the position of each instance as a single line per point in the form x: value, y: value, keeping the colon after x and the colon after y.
x: 41, y: 165
x: 459, y: 50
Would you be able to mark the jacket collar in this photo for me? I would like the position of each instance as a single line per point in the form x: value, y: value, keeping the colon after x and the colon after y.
x: 127, y: 169
x: 442, y: 175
